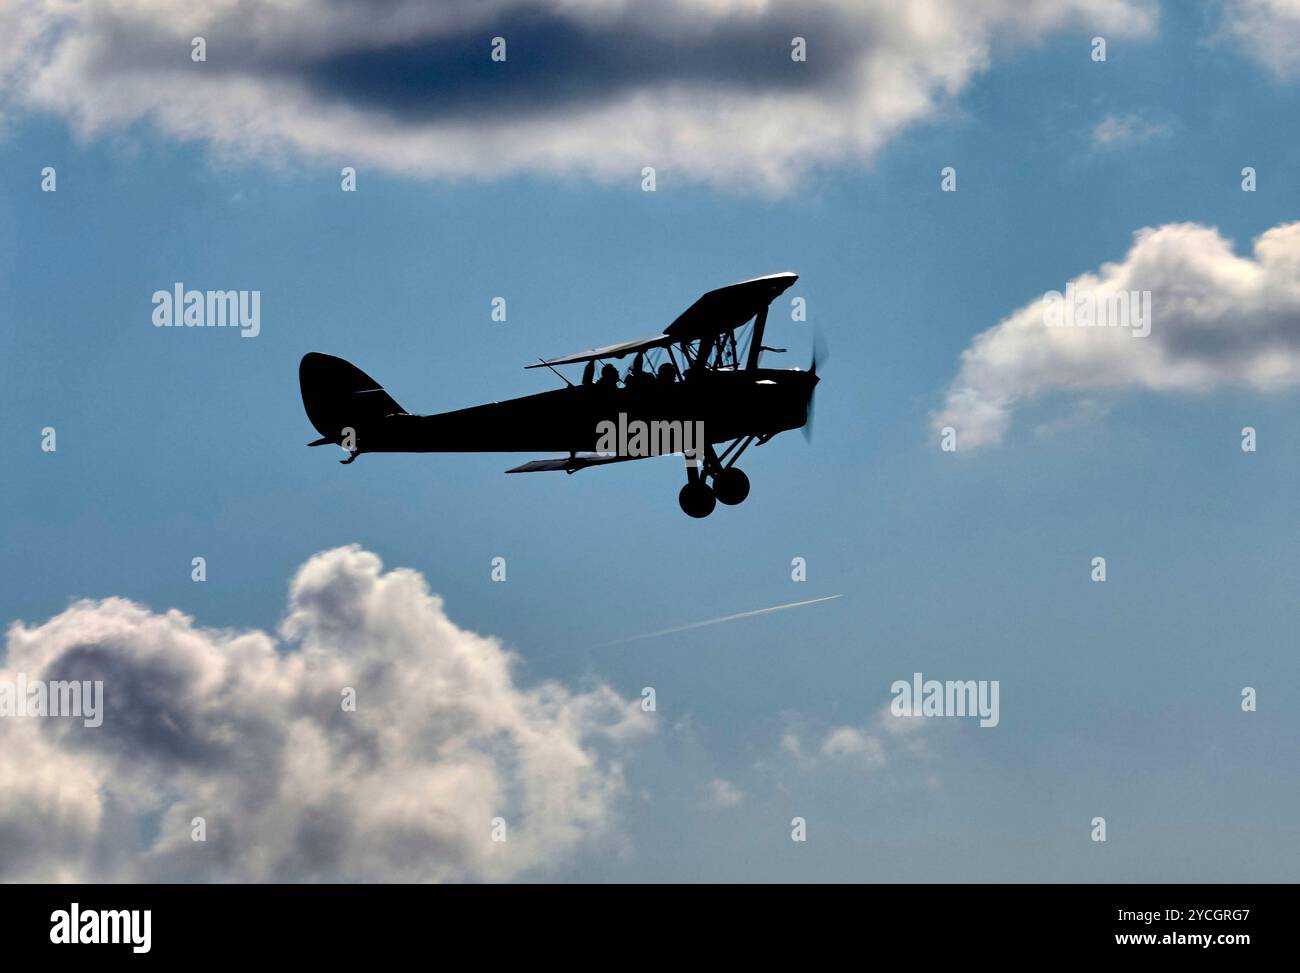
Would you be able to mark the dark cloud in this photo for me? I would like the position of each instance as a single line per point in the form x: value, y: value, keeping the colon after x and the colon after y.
x: 557, y: 65
x: 705, y: 89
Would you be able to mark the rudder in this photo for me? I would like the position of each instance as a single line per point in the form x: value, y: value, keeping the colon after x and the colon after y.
x: 336, y: 394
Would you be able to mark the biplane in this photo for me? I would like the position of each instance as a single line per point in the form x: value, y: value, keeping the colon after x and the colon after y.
x: 702, y: 372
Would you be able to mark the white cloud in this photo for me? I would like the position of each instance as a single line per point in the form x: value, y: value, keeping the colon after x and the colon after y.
x: 1267, y: 30
x: 703, y: 91
x: 849, y: 741
x: 722, y: 794
x: 250, y: 734
x: 1217, y: 320
x: 871, y: 745
x: 1132, y: 128
x: 791, y: 744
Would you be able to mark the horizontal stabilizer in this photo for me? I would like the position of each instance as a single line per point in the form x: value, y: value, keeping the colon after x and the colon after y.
x: 570, y: 464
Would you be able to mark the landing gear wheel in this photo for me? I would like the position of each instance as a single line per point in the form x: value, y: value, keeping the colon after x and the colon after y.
x: 731, y: 486
x: 696, y: 499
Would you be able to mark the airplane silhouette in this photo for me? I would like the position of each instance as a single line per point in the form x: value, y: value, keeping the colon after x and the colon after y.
x: 700, y: 378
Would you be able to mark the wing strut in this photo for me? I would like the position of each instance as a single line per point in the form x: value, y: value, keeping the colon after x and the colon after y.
x: 756, y: 339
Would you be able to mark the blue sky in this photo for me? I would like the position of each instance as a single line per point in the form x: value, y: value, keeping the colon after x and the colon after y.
x: 1118, y: 699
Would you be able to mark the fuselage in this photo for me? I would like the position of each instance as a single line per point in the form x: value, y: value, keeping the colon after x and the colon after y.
x: 728, y: 403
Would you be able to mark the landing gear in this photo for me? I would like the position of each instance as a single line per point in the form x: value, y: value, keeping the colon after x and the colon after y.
x: 731, y: 486
x: 696, y: 499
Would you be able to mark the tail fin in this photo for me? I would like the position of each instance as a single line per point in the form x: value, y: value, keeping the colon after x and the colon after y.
x: 337, y: 394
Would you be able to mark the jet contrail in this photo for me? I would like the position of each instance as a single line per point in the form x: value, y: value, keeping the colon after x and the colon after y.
x: 719, y: 621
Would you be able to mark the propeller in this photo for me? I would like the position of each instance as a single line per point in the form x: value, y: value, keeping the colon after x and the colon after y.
x: 820, y: 354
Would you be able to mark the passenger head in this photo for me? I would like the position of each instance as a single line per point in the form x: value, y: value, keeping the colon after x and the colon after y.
x: 666, y: 372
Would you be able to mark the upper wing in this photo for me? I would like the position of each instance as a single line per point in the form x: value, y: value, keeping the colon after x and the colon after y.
x: 609, y: 351
x: 724, y: 309
x: 727, y: 308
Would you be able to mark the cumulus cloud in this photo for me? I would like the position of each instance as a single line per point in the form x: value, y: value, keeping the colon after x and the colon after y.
x: 251, y: 734
x: 701, y: 90
x: 1267, y: 30
x: 1218, y: 320
x: 850, y: 741
x: 868, y: 746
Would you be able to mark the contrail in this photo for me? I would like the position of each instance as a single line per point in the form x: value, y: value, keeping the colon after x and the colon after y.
x: 719, y: 621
